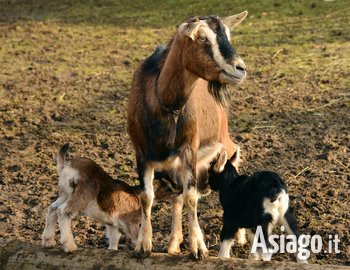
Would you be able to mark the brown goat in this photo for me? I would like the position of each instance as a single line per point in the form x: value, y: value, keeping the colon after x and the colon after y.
x: 176, y: 109
x: 85, y: 187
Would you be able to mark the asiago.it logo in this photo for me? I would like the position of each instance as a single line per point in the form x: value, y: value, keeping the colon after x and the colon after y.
x: 301, y: 246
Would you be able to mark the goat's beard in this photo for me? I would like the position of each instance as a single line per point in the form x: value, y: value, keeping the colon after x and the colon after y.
x: 219, y: 92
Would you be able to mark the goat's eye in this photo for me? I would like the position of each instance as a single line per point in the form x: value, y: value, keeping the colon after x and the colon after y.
x: 202, y: 38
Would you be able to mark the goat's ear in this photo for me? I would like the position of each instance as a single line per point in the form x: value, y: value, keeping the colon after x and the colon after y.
x: 221, y: 162
x: 234, y: 20
x: 189, y: 29
x: 236, y: 158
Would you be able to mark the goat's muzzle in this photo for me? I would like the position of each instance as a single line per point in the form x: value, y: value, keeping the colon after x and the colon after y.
x: 235, y: 73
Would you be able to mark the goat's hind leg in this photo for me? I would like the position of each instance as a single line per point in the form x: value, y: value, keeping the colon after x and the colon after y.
x: 176, y: 237
x: 48, y: 236
x: 113, y: 235
x: 66, y: 213
x: 261, y: 253
x: 290, y: 224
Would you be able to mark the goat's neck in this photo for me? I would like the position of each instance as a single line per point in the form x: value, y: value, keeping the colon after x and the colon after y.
x: 175, y: 83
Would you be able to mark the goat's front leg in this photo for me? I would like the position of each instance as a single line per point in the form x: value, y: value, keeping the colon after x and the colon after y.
x: 257, y: 254
x: 226, y: 237
x: 144, y: 240
x: 197, y: 245
x: 113, y: 235
x: 176, y: 225
x: 48, y: 236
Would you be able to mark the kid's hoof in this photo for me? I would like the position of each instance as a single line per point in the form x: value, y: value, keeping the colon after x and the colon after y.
x: 302, y: 261
x: 254, y: 257
x: 48, y: 242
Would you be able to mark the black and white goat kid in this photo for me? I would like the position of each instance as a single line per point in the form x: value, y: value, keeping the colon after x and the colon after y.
x: 248, y: 202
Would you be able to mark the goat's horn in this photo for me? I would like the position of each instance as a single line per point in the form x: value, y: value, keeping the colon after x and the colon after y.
x: 234, y: 20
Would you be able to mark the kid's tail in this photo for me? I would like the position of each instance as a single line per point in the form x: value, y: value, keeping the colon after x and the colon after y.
x: 62, y: 157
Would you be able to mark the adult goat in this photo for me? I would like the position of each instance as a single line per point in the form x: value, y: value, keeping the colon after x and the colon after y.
x: 176, y: 110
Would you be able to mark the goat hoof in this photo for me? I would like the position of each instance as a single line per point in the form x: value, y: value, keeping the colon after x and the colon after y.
x: 48, y: 242
x: 174, y: 249
x: 203, y: 254
x: 141, y: 254
x: 194, y: 256
x: 147, y: 247
x: 70, y: 247
x: 254, y: 257
x: 266, y: 257
x: 302, y: 261
x: 200, y: 255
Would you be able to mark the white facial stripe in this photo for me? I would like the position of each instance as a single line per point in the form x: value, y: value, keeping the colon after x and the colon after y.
x: 219, y: 59
x: 228, y: 33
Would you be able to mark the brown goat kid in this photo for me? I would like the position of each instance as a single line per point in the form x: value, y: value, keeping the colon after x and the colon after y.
x: 85, y: 187
x: 176, y: 110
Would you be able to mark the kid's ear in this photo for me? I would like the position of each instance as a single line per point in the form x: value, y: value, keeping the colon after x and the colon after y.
x: 221, y: 162
x: 236, y: 158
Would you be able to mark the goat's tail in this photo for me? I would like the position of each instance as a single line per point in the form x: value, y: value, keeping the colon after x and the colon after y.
x: 62, y: 157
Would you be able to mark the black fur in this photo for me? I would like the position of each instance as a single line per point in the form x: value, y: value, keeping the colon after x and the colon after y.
x: 64, y: 150
x: 242, y: 197
x: 216, y: 89
x: 219, y: 92
x: 151, y: 65
x: 73, y: 185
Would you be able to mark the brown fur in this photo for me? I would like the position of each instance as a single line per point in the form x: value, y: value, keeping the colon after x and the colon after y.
x: 175, y: 80
x: 114, y: 197
x: 88, y: 185
x: 205, y: 120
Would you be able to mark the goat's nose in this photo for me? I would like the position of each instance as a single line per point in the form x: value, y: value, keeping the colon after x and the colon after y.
x: 239, y: 64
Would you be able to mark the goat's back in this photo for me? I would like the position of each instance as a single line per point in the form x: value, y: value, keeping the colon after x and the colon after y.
x: 248, y: 191
x: 93, y: 183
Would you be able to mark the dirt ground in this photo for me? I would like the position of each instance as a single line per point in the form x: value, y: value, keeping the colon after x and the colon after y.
x: 63, y: 81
